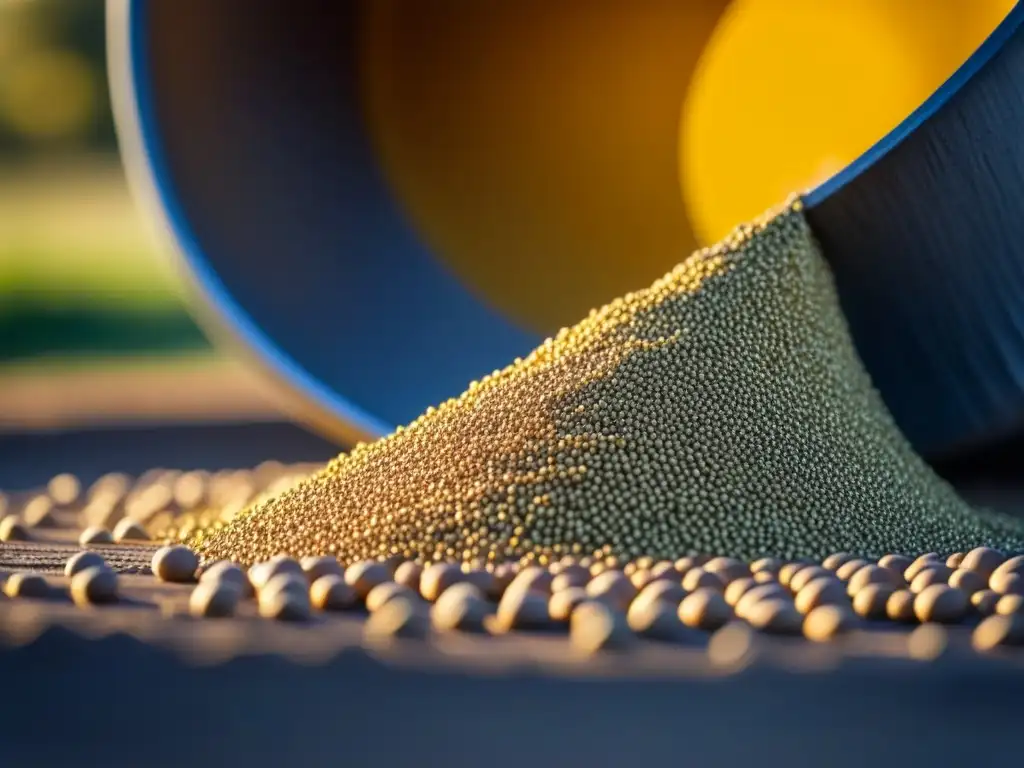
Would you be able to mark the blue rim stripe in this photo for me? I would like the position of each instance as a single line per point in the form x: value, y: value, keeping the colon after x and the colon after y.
x: 992, y: 45
x: 215, y: 293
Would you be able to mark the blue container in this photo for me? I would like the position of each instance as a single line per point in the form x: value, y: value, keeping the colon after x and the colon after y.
x: 240, y: 128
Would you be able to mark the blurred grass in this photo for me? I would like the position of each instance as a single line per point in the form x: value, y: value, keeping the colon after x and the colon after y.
x: 79, y: 275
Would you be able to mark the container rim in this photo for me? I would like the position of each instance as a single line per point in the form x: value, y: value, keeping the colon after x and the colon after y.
x: 215, y: 309
x: 981, y: 56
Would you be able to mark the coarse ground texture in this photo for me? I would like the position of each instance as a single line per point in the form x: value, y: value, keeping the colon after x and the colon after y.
x: 722, y: 410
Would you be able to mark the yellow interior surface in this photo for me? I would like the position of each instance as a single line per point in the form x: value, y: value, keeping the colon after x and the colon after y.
x: 557, y: 154
x: 791, y: 91
x: 534, y: 144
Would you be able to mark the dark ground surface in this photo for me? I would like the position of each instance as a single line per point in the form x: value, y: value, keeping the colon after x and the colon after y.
x: 74, y: 696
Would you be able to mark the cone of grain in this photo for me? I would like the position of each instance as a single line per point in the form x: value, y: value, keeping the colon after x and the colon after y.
x: 721, y: 410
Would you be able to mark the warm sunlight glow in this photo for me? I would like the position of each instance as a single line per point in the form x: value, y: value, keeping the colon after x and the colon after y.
x: 790, y: 91
x: 534, y: 144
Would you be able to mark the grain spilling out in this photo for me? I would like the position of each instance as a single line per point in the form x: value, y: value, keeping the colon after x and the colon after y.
x: 722, y: 410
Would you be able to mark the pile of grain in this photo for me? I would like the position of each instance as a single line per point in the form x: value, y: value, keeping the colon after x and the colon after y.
x: 722, y: 410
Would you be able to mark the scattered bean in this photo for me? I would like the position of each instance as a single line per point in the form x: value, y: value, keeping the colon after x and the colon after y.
x: 825, y: 622
x: 175, y: 563
x: 94, y: 586
x: 705, y: 609
x: 81, y: 560
x: 594, y: 627
x: 332, y: 593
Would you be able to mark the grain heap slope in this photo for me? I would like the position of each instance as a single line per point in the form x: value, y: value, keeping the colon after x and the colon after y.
x: 722, y: 410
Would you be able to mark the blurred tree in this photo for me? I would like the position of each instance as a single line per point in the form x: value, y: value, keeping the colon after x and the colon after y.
x: 53, y: 77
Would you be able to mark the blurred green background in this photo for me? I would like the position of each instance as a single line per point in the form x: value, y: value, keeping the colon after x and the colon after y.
x: 79, y: 276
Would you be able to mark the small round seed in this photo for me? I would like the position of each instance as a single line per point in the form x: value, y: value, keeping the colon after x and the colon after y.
x: 832, y: 562
x: 787, y: 571
x: 227, y: 572
x: 929, y: 576
x: 1010, y: 604
x: 896, y: 563
x: 698, y: 578
x: 940, y: 603
x: 775, y: 616
x: 176, y: 563
x: 1013, y: 565
x: 727, y: 568
x: 570, y: 578
x: 64, y: 488
x: 504, y: 573
x: 93, y: 535
x: 366, y: 575
x: 705, y: 608
x: 261, y: 573
x: 826, y: 622
x: 822, y: 591
x: 483, y: 580
x: 766, y: 565
x: 685, y: 564
x: 94, y: 586
x: 924, y: 561
x: 26, y: 585
x: 127, y: 529
x: 872, y: 574
x: 1007, y: 583
x: 846, y: 570
x: 331, y: 593
x: 900, y: 606
x: 732, y: 645
x: 383, y: 593
x: 409, y: 573
x: 460, y: 607
x: 983, y: 560
x: 969, y: 581
x: 999, y: 630
x: 668, y: 592
x: 806, y: 575
x: 655, y: 619
x: 558, y: 566
x: 754, y: 596
x: 286, y: 582
x: 641, y: 578
x: 666, y: 568
x: 765, y: 577
x: 522, y: 609
x: 642, y: 563
x: 323, y: 565
x: 954, y: 560
x: 563, y: 602
x: 38, y: 513
x: 531, y: 579
x: 437, y: 577
x: 79, y: 561
x: 985, y: 601
x: 12, y: 529
x: 284, y: 602
x: 613, y: 588
x: 594, y: 627
x: 927, y: 642
x: 737, y: 589
x: 402, y: 618
x: 214, y: 599
x: 870, y: 601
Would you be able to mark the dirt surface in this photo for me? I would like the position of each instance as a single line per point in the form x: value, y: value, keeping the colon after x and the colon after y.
x: 141, y: 683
